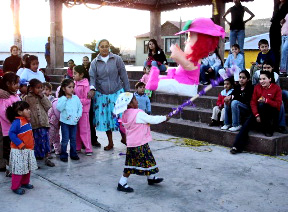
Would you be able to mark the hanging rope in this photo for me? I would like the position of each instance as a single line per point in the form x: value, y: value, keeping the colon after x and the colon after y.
x: 215, y: 10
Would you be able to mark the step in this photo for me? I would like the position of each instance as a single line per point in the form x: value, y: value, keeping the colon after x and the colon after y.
x: 56, y: 78
x: 55, y: 71
x: 259, y: 143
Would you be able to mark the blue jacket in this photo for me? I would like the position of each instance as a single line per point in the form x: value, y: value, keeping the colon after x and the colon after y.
x: 70, y: 109
x: 143, y: 102
x: 239, y: 61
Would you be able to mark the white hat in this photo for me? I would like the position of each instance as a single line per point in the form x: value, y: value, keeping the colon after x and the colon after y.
x: 122, y: 101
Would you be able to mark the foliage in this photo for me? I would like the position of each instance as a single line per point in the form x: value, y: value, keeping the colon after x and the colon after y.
x: 92, y: 46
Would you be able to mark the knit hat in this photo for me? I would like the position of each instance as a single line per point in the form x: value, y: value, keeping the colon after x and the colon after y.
x: 203, y: 25
x: 122, y: 101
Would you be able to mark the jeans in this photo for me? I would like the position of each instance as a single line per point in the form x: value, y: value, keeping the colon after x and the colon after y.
x: 204, y: 69
x: 68, y: 133
x: 238, y: 35
x: 234, y: 111
x: 162, y: 67
x: 284, y: 54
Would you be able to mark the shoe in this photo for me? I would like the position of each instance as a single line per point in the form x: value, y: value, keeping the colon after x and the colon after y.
x: 75, y: 157
x: 49, y: 163
x: 213, y: 123
x: 107, y: 148
x: 282, y: 130
x: 19, y: 191
x: 226, y: 127
x: 234, y: 151
x: 28, y: 186
x: 88, y: 153
x: 124, y: 188
x: 96, y: 144
x: 234, y: 129
x: 8, y: 173
x: 154, y: 180
x: 64, y: 159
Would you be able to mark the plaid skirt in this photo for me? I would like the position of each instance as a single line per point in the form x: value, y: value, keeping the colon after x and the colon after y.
x: 140, y: 161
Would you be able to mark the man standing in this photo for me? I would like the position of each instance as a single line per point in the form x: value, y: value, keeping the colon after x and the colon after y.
x: 47, y: 53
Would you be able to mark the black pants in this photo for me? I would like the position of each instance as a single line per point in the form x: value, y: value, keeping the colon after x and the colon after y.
x: 6, y: 147
x: 92, y: 127
x: 275, y: 43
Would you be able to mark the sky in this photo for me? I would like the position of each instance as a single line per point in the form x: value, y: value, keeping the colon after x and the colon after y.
x: 118, y: 25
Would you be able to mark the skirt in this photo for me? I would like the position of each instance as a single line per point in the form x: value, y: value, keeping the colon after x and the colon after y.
x: 103, y: 108
x: 22, y: 161
x: 42, y: 144
x: 140, y: 161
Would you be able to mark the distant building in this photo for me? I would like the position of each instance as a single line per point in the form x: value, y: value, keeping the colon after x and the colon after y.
x: 36, y: 46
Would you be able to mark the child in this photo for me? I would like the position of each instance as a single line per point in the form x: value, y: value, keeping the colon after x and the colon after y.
x: 47, y: 91
x: 22, y: 65
x: 39, y: 106
x: 264, y: 55
x: 69, y: 74
x: 145, y: 78
x: 22, y: 88
x: 54, y: 121
x: 82, y: 87
x: 228, y: 88
x: 266, y: 102
x: 210, y: 66
x: 235, y: 61
x: 22, y: 159
x: 237, y: 104
x: 9, y: 83
x: 142, y: 99
x: 31, y: 69
x: 266, y: 66
x: 139, y: 158
x: 70, y: 108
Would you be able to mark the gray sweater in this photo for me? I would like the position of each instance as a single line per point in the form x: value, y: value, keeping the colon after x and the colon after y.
x: 108, y: 77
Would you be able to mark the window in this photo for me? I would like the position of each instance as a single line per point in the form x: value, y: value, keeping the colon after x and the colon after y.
x: 146, y: 46
x: 169, y: 42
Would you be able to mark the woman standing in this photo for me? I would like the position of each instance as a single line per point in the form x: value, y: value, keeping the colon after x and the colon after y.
x: 13, y: 62
x: 109, y: 78
x: 156, y: 56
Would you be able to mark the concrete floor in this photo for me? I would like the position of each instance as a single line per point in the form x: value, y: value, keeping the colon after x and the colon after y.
x: 194, y: 181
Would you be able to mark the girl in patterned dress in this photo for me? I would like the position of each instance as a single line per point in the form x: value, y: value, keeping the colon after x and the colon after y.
x: 22, y: 159
x: 139, y: 158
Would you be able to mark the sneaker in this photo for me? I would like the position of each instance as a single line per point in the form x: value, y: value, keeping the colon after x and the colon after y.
x: 64, y: 159
x: 96, y: 144
x: 75, y: 157
x: 19, y: 191
x: 154, y: 180
x: 124, y: 188
x: 226, y: 127
x: 28, y: 186
x: 234, y: 151
x: 234, y: 129
x: 88, y: 153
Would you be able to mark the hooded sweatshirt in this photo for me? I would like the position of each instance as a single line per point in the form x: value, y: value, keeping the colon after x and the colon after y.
x: 81, y: 90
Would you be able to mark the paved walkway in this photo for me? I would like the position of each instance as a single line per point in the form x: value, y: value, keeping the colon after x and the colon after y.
x: 194, y: 181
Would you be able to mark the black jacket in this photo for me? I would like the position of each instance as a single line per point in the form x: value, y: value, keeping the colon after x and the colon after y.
x: 245, y: 95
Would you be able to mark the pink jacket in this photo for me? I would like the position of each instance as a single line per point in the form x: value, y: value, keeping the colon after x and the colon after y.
x: 4, y: 103
x: 145, y: 78
x: 70, y: 72
x: 54, y: 115
x: 82, y: 88
x: 136, y: 134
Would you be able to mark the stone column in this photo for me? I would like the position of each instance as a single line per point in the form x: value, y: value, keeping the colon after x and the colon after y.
x: 220, y: 21
x: 15, y: 6
x: 155, y: 26
x: 56, y: 34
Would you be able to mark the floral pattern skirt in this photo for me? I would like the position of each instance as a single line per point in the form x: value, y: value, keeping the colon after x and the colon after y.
x: 140, y: 161
x: 22, y: 161
x: 103, y: 108
x: 42, y: 144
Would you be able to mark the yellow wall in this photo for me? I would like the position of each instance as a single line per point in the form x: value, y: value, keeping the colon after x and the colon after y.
x: 250, y: 56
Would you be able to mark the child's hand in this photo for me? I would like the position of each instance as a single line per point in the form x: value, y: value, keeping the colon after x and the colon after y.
x: 258, y: 119
x: 40, y: 94
x: 168, y: 118
x: 262, y: 99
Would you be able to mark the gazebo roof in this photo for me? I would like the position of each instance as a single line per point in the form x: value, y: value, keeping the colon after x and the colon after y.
x: 151, y: 5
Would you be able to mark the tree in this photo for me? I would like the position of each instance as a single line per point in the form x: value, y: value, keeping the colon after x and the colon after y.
x: 92, y: 46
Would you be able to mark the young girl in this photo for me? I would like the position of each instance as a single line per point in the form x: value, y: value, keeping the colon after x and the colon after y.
x: 145, y: 78
x: 39, y: 105
x: 69, y: 74
x: 54, y: 121
x: 81, y: 77
x: 22, y: 159
x: 70, y: 108
x: 237, y: 104
x: 219, y: 108
x: 9, y: 83
x: 139, y: 158
x: 22, y: 65
x: 31, y: 69
x: 266, y: 102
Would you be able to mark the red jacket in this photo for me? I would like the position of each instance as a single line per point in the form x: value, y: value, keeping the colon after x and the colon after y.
x: 272, y: 94
x: 221, y: 97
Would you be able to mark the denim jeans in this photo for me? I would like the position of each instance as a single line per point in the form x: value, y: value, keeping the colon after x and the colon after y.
x: 234, y: 111
x: 238, y: 35
x: 281, y: 119
x: 68, y: 133
x: 162, y: 67
x: 284, y: 54
x: 204, y: 69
